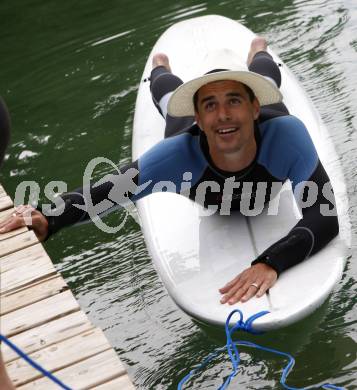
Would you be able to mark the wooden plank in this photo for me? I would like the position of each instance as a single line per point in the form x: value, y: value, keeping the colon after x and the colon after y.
x: 5, y: 236
x: 41, y: 316
x: 38, y: 313
x: 35, y: 292
x: 59, y: 356
x: 121, y: 383
x: 2, y: 190
x: 47, y: 334
x: 17, y: 242
x: 24, y: 267
x: 5, y: 202
x: 20, y: 258
x: 6, y: 213
x: 85, y: 375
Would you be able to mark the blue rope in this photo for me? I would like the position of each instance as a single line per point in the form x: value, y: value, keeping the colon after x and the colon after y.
x: 231, y: 347
x: 287, y: 368
x: 33, y: 363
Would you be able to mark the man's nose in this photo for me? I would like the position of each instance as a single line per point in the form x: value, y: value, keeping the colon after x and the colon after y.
x: 224, y: 113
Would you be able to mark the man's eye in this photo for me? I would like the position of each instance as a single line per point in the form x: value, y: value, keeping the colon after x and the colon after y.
x: 235, y: 101
x: 210, y: 106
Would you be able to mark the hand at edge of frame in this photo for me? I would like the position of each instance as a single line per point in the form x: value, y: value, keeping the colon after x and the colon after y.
x: 26, y: 215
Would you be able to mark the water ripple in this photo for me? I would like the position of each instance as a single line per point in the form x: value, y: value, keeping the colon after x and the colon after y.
x: 112, y: 37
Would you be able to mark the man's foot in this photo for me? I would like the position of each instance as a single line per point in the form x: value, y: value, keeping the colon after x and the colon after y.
x: 258, y: 44
x: 161, y: 59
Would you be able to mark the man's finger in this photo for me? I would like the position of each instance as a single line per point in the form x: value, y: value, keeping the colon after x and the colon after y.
x: 14, y: 223
x: 4, y: 222
x: 232, y: 291
x: 230, y: 284
x: 236, y: 297
x: 228, y: 295
x: 263, y: 288
x: 252, y: 290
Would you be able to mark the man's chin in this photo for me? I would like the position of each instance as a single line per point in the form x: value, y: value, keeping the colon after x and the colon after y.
x: 229, y: 150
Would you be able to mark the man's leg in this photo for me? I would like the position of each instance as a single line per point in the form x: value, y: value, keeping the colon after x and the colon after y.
x: 260, y: 61
x: 162, y: 85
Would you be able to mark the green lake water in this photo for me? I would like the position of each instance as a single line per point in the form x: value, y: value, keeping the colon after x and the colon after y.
x: 69, y: 73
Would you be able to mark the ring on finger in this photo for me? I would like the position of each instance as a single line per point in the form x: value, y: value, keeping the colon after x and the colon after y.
x: 255, y: 285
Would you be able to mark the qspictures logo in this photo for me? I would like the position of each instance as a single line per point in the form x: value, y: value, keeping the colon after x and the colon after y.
x: 120, y: 190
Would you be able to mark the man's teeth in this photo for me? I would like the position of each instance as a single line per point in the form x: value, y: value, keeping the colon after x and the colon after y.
x: 225, y: 131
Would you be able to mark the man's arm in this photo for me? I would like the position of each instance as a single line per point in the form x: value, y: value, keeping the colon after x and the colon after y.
x: 166, y: 161
x: 298, y: 161
x: 318, y: 226
x: 77, y: 206
x: 83, y: 204
x: 307, y: 237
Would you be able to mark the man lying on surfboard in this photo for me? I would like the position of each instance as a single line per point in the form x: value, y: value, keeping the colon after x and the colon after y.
x: 225, y: 128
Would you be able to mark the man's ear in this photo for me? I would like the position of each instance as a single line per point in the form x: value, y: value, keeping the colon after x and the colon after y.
x: 197, y: 119
x: 256, y: 109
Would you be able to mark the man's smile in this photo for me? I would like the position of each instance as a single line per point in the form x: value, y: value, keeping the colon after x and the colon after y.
x: 228, y: 130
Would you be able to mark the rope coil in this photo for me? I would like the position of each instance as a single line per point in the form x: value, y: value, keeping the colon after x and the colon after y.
x: 231, y: 348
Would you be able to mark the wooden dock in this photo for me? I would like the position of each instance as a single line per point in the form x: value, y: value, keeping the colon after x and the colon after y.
x: 40, y: 315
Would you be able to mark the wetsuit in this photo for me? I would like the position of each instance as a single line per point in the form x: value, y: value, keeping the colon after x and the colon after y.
x: 181, y: 163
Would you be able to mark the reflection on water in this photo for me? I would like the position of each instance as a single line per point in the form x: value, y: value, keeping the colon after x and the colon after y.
x: 69, y: 74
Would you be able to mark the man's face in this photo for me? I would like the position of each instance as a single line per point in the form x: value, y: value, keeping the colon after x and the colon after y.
x: 226, y: 115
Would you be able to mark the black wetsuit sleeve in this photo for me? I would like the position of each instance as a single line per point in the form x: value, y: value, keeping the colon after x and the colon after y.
x: 83, y: 204
x: 318, y: 226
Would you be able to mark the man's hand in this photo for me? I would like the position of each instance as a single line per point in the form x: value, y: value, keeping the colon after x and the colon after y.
x: 255, y: 280
x: 26, y: 216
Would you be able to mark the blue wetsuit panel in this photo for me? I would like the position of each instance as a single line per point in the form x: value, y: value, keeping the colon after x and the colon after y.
x: 168, y: 161
x: 287, y: 150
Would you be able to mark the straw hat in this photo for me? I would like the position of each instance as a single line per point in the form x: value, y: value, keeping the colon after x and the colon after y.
x: 225, y: 66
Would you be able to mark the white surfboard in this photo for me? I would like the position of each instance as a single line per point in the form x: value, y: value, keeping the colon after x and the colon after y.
x: 195, y: 255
